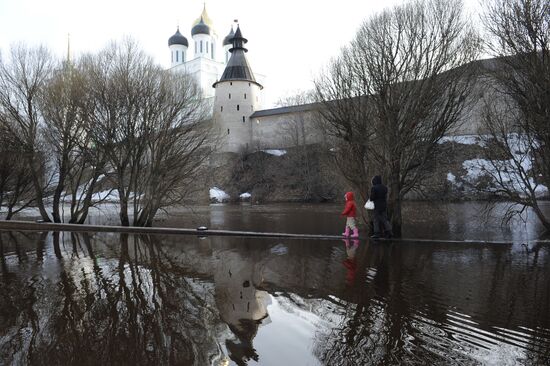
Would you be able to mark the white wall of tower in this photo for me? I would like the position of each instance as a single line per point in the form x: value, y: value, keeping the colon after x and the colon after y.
x: 234, y: 102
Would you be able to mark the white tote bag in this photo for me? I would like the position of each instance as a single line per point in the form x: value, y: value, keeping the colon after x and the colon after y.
x: 369, y: 205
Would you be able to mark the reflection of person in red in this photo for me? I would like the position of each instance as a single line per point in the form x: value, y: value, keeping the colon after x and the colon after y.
x: 350, y: 262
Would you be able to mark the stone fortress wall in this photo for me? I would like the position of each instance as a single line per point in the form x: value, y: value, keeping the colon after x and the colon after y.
x: 273, y: 128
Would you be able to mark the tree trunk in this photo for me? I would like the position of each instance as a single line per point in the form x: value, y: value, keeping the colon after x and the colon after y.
x: 63, y: 169
x: 397, y: 220
x: 542, y: 217
x: 56, y: 247
x: 40, y: 199
x: 395, y: 207
x: 57, y: 198
x: 123, y: 214
x: 38, y: 190
x: 80, y: 215
x: 145, y: 218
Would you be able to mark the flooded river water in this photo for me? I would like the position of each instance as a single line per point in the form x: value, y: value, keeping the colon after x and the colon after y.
x: 102, y: 298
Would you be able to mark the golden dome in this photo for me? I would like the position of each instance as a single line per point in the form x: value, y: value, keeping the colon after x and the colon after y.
x: 205, y: 18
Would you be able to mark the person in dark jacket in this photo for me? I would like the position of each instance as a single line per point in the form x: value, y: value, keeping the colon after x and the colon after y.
x: 378, y: 195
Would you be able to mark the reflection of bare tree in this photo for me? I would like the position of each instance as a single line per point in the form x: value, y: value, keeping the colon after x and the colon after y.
x: 371, y: 330
x: 396, y: 316
x: 140, y: 309
x: 530, y: 295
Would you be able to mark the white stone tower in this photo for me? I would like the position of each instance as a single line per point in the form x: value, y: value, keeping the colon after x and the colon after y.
x: 237, y: 96
x: 178, y: 48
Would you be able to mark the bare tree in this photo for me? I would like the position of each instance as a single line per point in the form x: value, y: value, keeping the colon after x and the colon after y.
x: 65, y: 106
x: 517, y: 108
x: 346, y: 112
x: 398, y: 87
x: 179, y: 142
x: 149, y: 123
x: 16, y: 189
x: 21, y: 79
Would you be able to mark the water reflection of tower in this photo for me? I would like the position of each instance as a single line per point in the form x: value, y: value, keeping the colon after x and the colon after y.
x: 240, y: 304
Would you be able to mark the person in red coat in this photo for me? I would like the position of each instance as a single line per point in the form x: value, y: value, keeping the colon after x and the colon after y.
x: 350, y: 213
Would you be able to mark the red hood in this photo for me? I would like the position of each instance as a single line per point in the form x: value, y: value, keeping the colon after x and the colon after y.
x: 349, y: 196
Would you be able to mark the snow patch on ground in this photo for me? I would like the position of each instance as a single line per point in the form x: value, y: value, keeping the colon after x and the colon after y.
x: 275, y: 152
x: 477, y: 168
x: 502, y: 173
x: 451, y: 177
x: 245, y: 195
x: 109, y: 195
x: 464, y: 140
x: 218, y: 195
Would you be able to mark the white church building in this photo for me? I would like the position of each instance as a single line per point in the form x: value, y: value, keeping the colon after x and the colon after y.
x: 205, y: 57
x: 229, y: 85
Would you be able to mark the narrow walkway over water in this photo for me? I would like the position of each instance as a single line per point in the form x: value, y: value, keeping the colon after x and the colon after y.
x: 43, y: 226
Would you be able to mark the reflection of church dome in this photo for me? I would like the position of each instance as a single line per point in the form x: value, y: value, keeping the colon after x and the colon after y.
x: 178, y: 38
x: 200, y: 28
x: 228, y: 40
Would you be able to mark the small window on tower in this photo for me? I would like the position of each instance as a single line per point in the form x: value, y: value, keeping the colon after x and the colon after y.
x: 177, y: 56
x: 244, y: 95
x: 212, y: 50
x: 228, y: 131
x: 221, y: 110
x: 195, y: 46
x: 248, y: 84
x: 206, y: 46
x: 237, y: 107
x: 229, y: 95
x: 201, y: 46
x: 230, y: 83
x: 244, y: 119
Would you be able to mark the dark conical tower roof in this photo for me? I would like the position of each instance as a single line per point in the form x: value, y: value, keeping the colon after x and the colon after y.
x: 237, y: 67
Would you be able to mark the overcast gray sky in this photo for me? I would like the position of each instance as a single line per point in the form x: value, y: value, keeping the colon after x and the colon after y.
x: 289, y: 40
